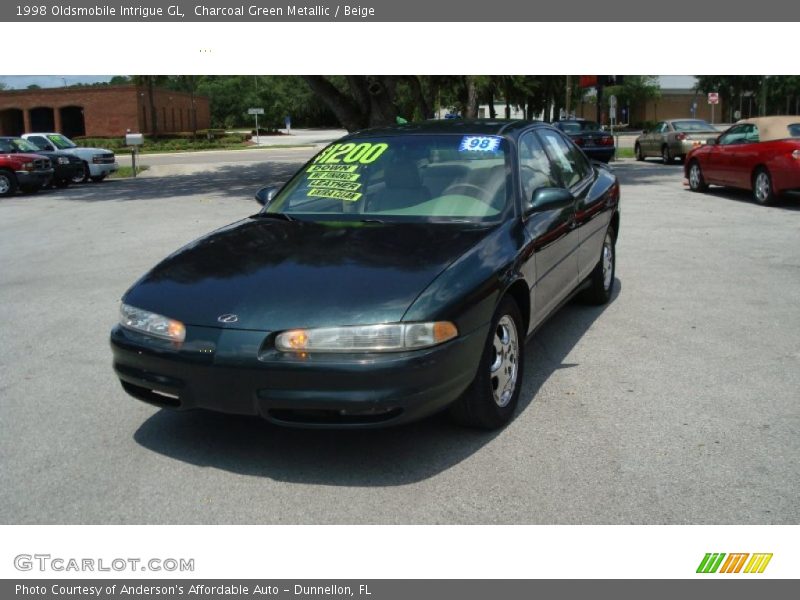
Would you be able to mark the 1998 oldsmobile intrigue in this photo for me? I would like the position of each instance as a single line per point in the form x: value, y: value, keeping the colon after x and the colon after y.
x: 398, y: 273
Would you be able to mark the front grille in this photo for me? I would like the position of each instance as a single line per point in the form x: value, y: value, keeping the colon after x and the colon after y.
x: 41, y: 163
x: 103, y: 159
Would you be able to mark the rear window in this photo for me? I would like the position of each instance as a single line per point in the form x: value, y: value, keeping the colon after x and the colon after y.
x: 692, y: 125
x: 578, y: 126
x: 794, y: 129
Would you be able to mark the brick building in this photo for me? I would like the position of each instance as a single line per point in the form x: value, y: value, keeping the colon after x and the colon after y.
x: 672, y: 104
x: 101, y: 111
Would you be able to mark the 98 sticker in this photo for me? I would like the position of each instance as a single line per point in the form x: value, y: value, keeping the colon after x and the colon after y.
x: 479, y: 143
x: 364, y: 153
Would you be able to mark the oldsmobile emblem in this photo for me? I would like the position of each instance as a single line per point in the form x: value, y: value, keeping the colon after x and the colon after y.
x: 228, y: 318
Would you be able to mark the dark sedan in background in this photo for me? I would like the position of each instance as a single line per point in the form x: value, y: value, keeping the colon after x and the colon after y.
x: 398, y: 273
x: 65, y: 166
x: 673, y: 139
x: 595, y: 143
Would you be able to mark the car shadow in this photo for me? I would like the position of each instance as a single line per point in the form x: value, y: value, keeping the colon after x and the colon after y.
x: 789, y: 201
x: 235, y: 181
x: 363, y: 458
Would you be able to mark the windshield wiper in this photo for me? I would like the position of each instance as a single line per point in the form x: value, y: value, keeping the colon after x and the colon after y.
x: 273, y: 215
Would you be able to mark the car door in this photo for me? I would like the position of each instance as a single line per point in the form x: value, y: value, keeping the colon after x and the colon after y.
x: 551, y: 238
x: 719, y: 167
x: 744, y: 157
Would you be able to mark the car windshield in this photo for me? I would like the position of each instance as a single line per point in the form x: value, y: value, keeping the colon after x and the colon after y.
x: 578, y: 126
x: 405, y: 177
x: 61, y: 142
x: 692, y: 125
x: 24, y: 146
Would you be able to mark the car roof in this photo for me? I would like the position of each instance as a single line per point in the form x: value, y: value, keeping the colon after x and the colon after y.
x: 457, y: 126
x: 772, y: 128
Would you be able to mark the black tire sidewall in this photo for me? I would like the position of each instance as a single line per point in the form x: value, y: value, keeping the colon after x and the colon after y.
x: 477, y: 407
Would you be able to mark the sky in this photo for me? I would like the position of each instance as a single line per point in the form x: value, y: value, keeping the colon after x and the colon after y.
x: 20, y: 82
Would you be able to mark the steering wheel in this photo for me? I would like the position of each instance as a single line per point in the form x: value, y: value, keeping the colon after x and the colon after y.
x: 469, y: 188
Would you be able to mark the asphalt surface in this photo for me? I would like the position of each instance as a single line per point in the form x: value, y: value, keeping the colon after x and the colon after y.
x: 676, y: 403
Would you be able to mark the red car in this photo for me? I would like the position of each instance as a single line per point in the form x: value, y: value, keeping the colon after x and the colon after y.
x: 28, y: 172
x: 761, y: 155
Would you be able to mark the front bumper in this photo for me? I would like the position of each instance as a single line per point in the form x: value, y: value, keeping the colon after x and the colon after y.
x: 240, y: 372
x: 102, y: 169
x: 36, y: 178
x: 68, y: 171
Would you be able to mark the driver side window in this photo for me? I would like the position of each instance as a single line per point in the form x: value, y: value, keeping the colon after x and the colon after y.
x: 739, y: 134
x: 535, y: 170
x: 39, y: 142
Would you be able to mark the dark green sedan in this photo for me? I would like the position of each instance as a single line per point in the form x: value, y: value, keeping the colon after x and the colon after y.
x: 398, y: 273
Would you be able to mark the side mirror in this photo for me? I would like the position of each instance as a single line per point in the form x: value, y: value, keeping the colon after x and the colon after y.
x: 550, y: 198
x: 712, y: 141
x: 265, y: 195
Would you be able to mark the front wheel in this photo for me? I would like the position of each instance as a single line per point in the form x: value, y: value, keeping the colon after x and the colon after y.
x: 763, y: 192
x: 81, y: 177
x: 696, y: 181
x: 601, y: 280
x: 98, y: 178
x: 638, y: 152
x: 492, y: 397
x: 8, y: 183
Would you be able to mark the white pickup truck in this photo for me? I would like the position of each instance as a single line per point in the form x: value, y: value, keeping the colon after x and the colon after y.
x: 97, y: 162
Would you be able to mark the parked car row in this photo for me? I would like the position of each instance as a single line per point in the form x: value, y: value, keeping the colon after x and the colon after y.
x: 36, y: 160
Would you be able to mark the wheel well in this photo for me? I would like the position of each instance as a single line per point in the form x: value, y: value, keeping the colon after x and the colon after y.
x: 756, y: 169
x: 521, y: 294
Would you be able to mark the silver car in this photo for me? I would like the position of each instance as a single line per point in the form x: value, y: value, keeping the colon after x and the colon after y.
x: 673, y: 139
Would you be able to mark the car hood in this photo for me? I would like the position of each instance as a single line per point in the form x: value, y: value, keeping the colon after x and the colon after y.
x: 81, y: 151
x: 276, y: 274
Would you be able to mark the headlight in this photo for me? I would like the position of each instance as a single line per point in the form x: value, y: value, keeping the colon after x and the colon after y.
x: 27, y: 166
x: 151, y: 323
x: 63, y: 160
x: 390, y: 337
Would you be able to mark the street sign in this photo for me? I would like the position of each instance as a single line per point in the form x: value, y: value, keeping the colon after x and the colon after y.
x: 713, y: 97
x: 255, y: 111
x: 612, y: 101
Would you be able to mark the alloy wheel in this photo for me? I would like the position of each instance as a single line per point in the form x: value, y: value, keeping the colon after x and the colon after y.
x: 504, y: 367
x: 763, y: 187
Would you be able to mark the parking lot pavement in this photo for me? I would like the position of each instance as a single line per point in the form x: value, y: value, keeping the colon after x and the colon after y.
x: 676, y: 403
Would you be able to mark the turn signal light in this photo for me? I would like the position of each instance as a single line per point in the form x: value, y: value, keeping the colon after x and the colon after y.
x: 796, y: 155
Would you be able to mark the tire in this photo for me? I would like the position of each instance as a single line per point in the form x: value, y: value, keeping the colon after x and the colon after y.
x: 8, y: 183
x: 601, y: 286
x: 637, y: 150
x: 487, y: 403
x: 763, y: 192
x: 696, y: 181
x: 61, y: 183
x: 97, y: 178
x: 666, y: 155
x: 82, y: 177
